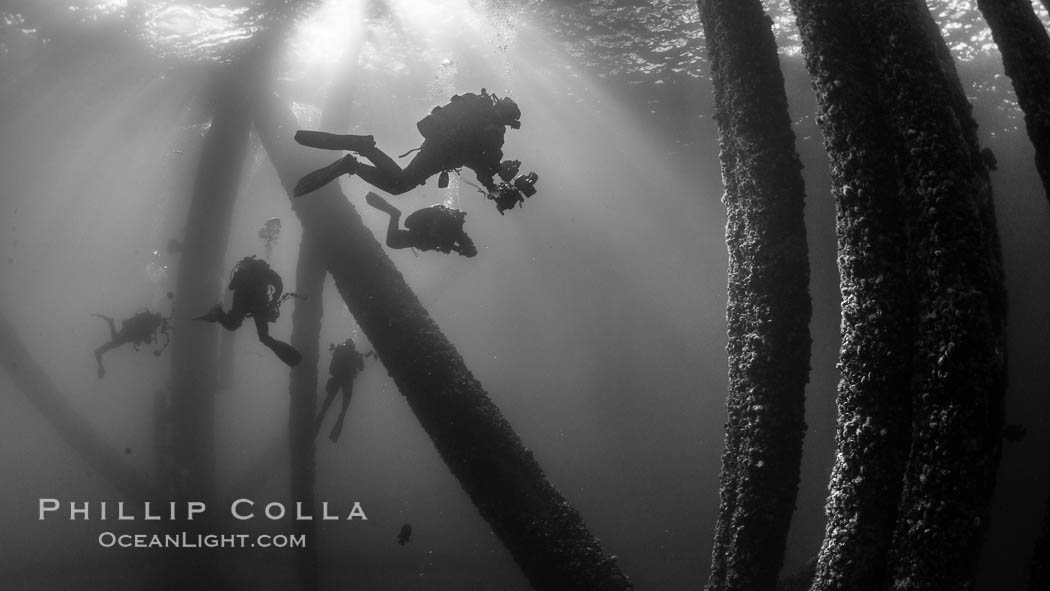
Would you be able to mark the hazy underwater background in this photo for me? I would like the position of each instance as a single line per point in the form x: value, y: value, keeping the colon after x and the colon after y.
x: 593, y: 315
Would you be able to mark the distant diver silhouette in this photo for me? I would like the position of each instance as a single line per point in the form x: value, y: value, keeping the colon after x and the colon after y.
x: 258, y: 293
x: 432, y: 228
x: 346, y: 363
x: 405, y: 535
x: 467, y: 132
x: 140, y: 329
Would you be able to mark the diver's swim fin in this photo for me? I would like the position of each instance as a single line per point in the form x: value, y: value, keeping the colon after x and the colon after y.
x: 381, y: 204
x: 331, y: 141
x: 285, y: 352
x: 337, y: 430
x: 322, y: 176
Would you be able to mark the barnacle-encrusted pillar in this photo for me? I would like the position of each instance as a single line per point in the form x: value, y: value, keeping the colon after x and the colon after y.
x: 1025, y: 47
x: 875, y: 353
x: 959, y: 365
x: 768, y: 310
x: 1039, y: 576
x: 198, y: 287
x: 302, y: 388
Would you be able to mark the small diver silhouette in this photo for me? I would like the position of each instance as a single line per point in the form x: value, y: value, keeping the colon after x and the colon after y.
x: 405, y: 535
x: 467, y: 132
x: 258, y: 292
x: 140, y: 329
x: 432, y: 228
x: 346, y: 363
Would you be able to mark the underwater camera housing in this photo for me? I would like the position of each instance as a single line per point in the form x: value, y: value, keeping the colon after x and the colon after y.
x: 508, y: 195
x: 506, y: 192
x: 526, y: 183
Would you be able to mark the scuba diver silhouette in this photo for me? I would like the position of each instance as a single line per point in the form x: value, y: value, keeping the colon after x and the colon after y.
x: 343, y: 369
x: 468, y: 131
x: 258, y: 292
x: 140, y: 329
x: 432, y: 228
x: 404, y: 536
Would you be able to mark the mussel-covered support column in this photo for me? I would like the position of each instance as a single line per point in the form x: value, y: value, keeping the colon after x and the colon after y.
x: 956, y: 276
x: 1025, y: 47
x: 1039, y: 576
x: 544, y: 534
x: 768, y: 307
x: 199, y: 286
x: 875, y: 354
x: 306, y: 330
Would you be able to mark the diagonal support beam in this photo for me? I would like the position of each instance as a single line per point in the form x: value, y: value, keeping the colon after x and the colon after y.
x: 542, y: 531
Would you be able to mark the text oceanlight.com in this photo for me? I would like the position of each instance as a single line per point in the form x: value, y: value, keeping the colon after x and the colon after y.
x: 240, y: 510
x: 188, y: 540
